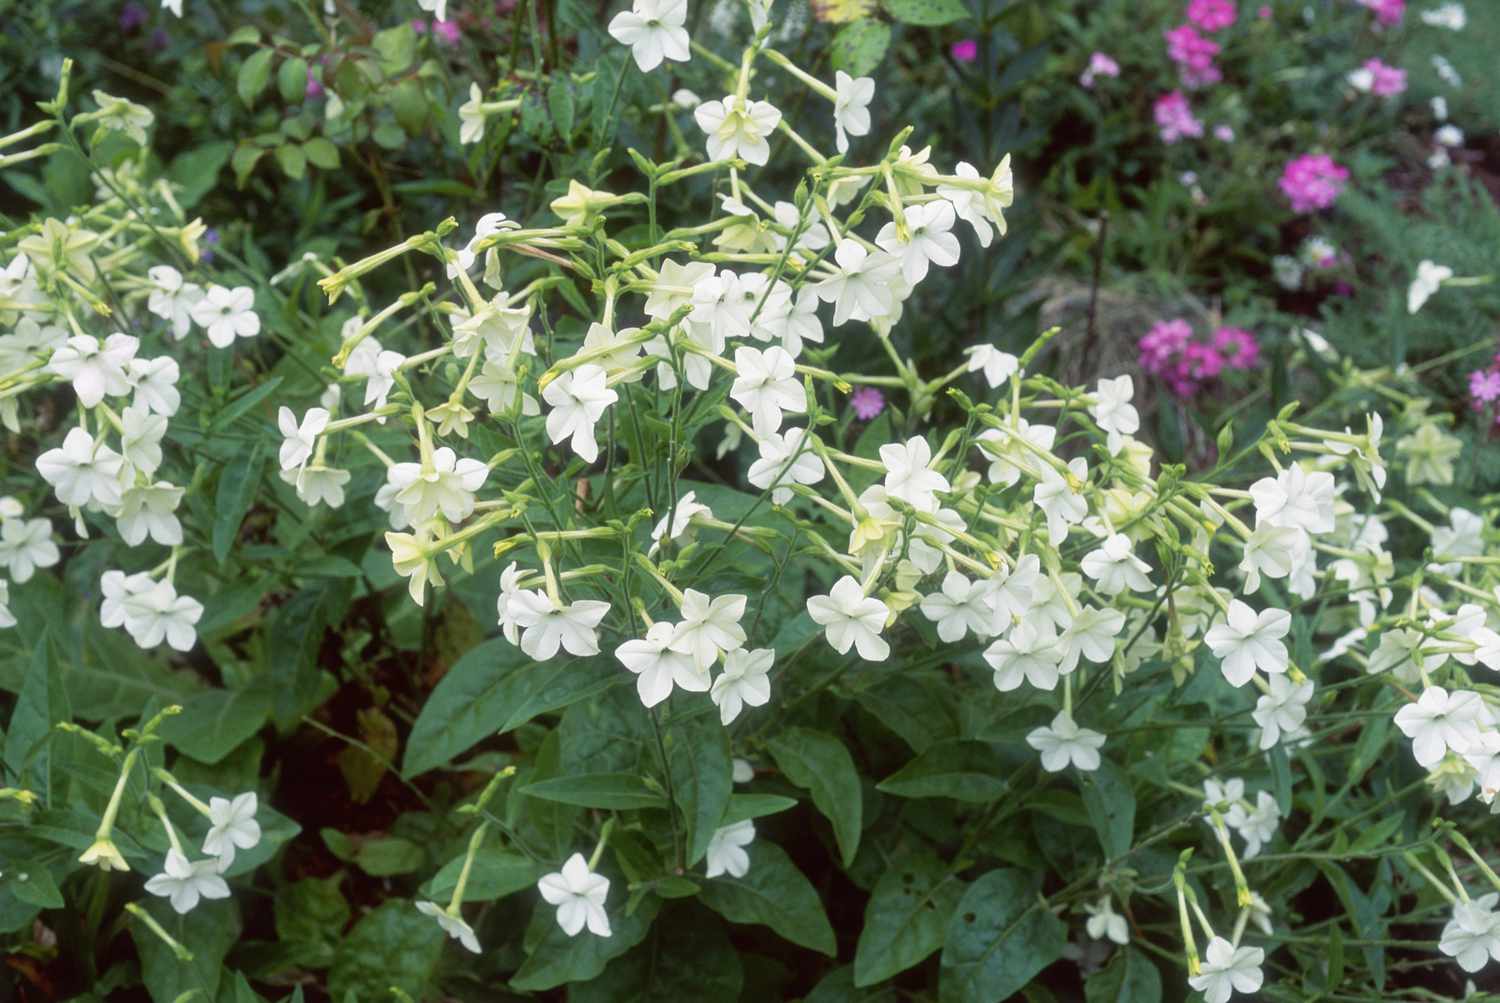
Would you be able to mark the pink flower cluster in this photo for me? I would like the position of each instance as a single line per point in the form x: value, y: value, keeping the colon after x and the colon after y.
x: 1171, y: 352
x: 1100, y: 65
x: 1484, y: 388
x: 1194, y: 56
x: 1387, y: 12
x: 1312, y: 182
x: 1211, y: 15
x: 1175, y: 118
x: 1385, y: 81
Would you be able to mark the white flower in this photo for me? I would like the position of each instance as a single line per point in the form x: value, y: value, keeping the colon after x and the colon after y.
x: 498, y: 386
x: 960, y: 607
x: 1059, y: 501
x: 579, y: 895
x: 471, y: 117
x: 158, y: 614
x: 447, y: 485
x: 1064, y: 744
x: 766, y: 386
x: 184, y: 882
x: 25, y: 545
x: 7, y: 618
x: 909, y: 475
x: 1090, y: 634
x: 437, y: 8
x: 745, y: 681
x: 1449, y: 135
x: 578, y: 398
x: 1246, y: 641
x: 318, y: 485
x: 657, y: 667
x: 227, y: 314
x: 172, y: 299
x: 726, y: 850
x: 1400, y: 652
x: 1030, y: 652
x: 1116, y: 568
x: 1429, y: 278
x: 140, y: 439
x: 94, y: 369
x: 1273, y: 551
x: 850, y: 618
x: 1453, y: 17
x: 851, y: 107
x: 1297, y: 499
x: 382, y: 377
x: 546, y: 625
x: 682, y: 520
x: 1009, y: 458
x: 453, y: 926
x: 709, y: 626
x: 1012, y: 593
x: 981, y: 209
x: 1113, y: 411
x: 1105, y: 922
x: 155, y: 383
x: 1472, y: 936
x: 929, y: 239
x: 412, y: 558
x: 997, y: 366
x: 1228, y: 970
x: 1440, y: 721
x: 116, y: 587
x: 784, y: 459
x: 232, y: 826
x: 654, y: 30
x: 149, y: 510
x: 81, y: 471
x: 865, y: 285
x: 1282, y: 710
x: 738, y: 127
x: 1258, y: 827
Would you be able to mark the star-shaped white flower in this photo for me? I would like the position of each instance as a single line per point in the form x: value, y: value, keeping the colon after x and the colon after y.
x: 1030, y: 653
x: 226, y: 314
x: 960, y: 607
x: 184, y: 882
x: 578, y: 398
x: 726, y: 850
x: 447, y: 485
x: 1064, y: 744
x: 579, y: 895
x: 738, y: 127
x: 851, y: 107
x: 929, y: 239
x: 1228, y: 970
x: 785, y: 459
x: 658, y: 668
x: 654, y: 31
x: 709, y: 626
x: 909, y: 475
x: 81, y: 470
x: 546, y: 626
x: 453, y: 926
x: 95, y: 369
x: 232, y: 826
x: 1441, y: 721
x: 766, y: 386
x: 852, y: 619
x: 745, y: 682
x: 1247, y: 641
x: 1113, y: 412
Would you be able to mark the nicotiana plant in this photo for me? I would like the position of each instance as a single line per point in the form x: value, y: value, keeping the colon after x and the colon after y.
x: 636, y: 431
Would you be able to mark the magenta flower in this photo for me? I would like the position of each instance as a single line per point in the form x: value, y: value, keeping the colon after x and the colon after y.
x: 965, y: 50
x: 1224, y: 133
x: 1162, y: 344
x: 446, y: 32
x: 1211, y: 15
x: 1175, y: 118
x: 1238, y: 347
x: 1194, y: 56
x: 1484, y: 387
x: 1385, y: 81
x: 1312, y: 182
x: 1100, y: 65
x: 1387, y: 12
x: 314, y: 88
x: 866, y: 402
x: 1265, y: 12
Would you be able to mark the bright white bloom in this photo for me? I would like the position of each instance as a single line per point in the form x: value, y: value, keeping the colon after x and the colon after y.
x: 149, y: 510
x: 738, y: 127
x: 785, y: 460
x: 1453, y: 17
x: 1441, y: 721
x: 657, y: 667
x: 298, y: 440
x: 1059, y: 501
x: 318, y: 485
x: 579, y: 895
x: 381, y: 378
x: 1258, y: 827
x: 1283, y: 710
x: 1472, y: 936
x: 184, y: 882
x: 471, y: 117
x: 709, y: 626
x: 159, y: 614
x: 960, y: 607
x: 929, y: 239
x: 578, y: 398
x: 1296, y: 499
x: 726, y: 850
x: 1449, y: 135
x: 226, y: 314
x: 982, y: 209
x: 172, y: 298
x: 7, y: 618
x: 767, y: 386
x: 497, y: 385
x: 1064, y: 744
x: 1012, y: 593
x: 850, y: 618
x: 1246, y: 641
x: 909, y: 475
x: 447, y: 485
x: 851, y: 107
x: 682, y: 520
x: 81, y: 470
x: 997, y: 366
x: 864, y: 287
x: 1115, y: 567
x: 140, y: 439
x: 1090, y: 634
x: 1104, y: 922
x: 453, y: 926
x: 1113, y: 411
x: 116, y: 588
x: 25, y: 545
x: 546, y: 626
x: 1273, y: 551
x: 1029, y: 653
x: 1228, y: 970
x: 654, y: 30
x: 155, y: 383
x: 94, y: 369
x: 1009, y: 458
x: 1400, y: 652
x: 1430, y: 276
x: 745, y: 682
x: 232, y: 827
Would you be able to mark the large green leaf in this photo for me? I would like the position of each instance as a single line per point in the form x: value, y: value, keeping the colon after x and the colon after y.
x: 958, y: 769
x: 819, y: 762
x: 208, y: 932
x: 702, y: 778
x: 495, y: 874
x: 41, y: 704
x: 558, y: 959
x: 689, y: 960
x: 1130, y: 977
x: 859, y: 47
x: 775, y: 894
x: 611, y: 791
x: 238, y: 482
x: 394, y: 946
x: 1111, y: 807
x: 254, y: 75
x: 214, y: 722
x: 1000, y: 937
x: 906, y: 917
x: 491, y: 690
x: 929, y: 13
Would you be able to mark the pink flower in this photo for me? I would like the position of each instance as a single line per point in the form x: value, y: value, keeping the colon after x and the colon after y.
x: 314, y: 88
x: 1312, y: 182
x: 1387, y: 12
x: 1162, y: 344
x: 1194, y: 56
x: 1100, y: 65
x: 1224, y: 133
x: 1385, y: 81
x: 1484, y: 387
x: 965, y: 50
x: 1264, y: 13
x: 1174, y: 118
x: 1238, y: 346
x: 866, y: 403
x: 1211, y: 15
x: 1204, y: 361
x: 446, y: 32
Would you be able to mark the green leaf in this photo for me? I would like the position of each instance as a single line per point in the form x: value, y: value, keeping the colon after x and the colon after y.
x: 291, y: 80
x: 244, y: 403
x: 321, y: 153
x: 702, y: 778
x: 389, y: 135
x: 689, y: 960
x: 1111, y: 807
x: 395, y: 48
x: 1130, y: 977
x: 491, y: 690
x: 611, y: 791
x: 559, y: 959
x: 255, y: 73
x: 495, y: 874
x: 208, y: 932
x: 34, y: 885
x: 238, y: 482
x: 310, y: 918
x: 819, y: 762
x: 1000, y: 937
x: 196, y: 171
x: 41, y: 704
x: 244, y: 160
x: 561, y: 104
x: 929, y: 13
x: 906, y: 917
x: 394, y: 946
x: 293, y: 162
x: 214, y: 722
x: 859, y: 47
x: 915, y: 707
x: 775, y: 894
x: 410, y: 105
x: 958, y: 769
x: 743, y: 806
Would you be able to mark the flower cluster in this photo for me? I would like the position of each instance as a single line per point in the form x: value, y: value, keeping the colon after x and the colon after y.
x: 1312, y: 182
x: 1172, y: 352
